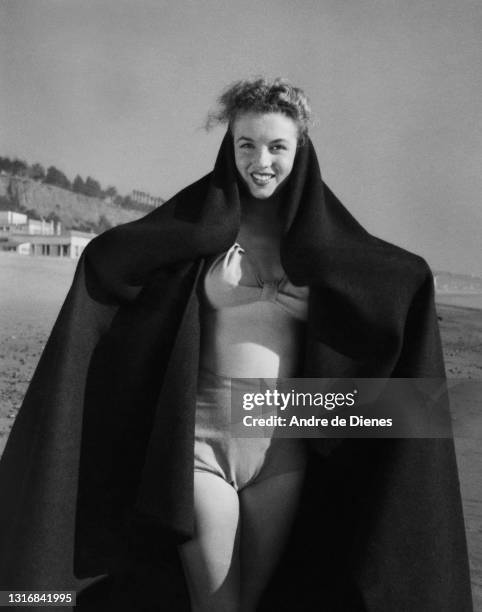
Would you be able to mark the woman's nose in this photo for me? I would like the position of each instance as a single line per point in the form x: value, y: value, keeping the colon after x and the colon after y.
x: 263, y: 158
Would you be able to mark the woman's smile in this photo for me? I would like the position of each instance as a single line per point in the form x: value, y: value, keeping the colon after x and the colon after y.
x: 265, y: 146
x: 262, y: 178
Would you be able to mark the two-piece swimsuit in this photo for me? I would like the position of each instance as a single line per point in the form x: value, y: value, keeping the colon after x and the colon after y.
x: 251, y: 328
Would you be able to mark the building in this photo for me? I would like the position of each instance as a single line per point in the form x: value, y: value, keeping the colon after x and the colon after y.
x: 16, y: 222
x: 19, y: 235
x: 10, y: 220
x: 70, y: 244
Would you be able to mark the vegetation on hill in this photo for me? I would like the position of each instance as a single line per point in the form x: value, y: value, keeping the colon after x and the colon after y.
x: 53, y: 176
x: 74, y: 211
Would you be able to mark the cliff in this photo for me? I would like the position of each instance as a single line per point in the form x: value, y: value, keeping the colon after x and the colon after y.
x: 74, y: 210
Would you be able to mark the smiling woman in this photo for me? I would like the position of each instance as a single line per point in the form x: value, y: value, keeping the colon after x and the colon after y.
x: 255, y: 271
x: 264, y: 150
x: 268, y: 122
x: 253, y: 483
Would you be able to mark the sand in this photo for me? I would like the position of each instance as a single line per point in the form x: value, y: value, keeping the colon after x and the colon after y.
x: 33, y: 289
x: 461, y: 330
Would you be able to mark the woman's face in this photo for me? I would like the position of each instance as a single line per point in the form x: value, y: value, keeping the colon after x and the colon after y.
x: 264, y: 150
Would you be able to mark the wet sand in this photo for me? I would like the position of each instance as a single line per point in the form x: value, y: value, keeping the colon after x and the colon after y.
x: 32, y: 291
x: 461, y: 330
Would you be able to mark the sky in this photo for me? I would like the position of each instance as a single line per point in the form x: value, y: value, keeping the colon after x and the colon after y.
x: 120, y: 90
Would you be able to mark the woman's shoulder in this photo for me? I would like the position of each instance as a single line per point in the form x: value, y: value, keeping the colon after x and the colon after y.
x: 129, y: 254
x: 181, y: 205
x: 373, y: 254
x: 405, y: 269
x: 405, y: 260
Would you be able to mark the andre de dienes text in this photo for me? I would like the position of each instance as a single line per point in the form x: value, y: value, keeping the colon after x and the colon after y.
x: 282, y: 401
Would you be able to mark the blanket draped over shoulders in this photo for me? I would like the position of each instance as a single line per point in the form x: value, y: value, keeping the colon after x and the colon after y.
x: 97, y: 475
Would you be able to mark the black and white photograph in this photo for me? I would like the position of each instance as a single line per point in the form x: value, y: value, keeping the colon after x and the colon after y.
x: 241, y: 305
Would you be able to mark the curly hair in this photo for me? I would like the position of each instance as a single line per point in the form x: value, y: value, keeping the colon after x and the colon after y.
x: 262, y: 95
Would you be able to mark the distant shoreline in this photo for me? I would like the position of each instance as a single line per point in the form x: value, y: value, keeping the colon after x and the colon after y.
x: 476, y: 308
x: 472, y: 301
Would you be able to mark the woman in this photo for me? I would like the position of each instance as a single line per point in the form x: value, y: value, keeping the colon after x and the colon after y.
x: 255, y: 270
x: 246, y: 490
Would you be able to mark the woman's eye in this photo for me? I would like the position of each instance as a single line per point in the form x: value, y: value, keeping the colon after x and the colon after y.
x: 278, y: 148
x: 246, y: 145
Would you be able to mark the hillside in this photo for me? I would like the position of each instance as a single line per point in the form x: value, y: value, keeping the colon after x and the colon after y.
x: 74, y: 210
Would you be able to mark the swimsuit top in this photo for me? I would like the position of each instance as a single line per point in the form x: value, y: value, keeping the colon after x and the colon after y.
x: 252, y: 328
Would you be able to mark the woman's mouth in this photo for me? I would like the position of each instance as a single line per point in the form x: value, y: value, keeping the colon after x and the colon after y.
x: 262, y: 178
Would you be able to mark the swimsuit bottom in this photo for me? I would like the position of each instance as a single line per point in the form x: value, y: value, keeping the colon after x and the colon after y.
x: 240, y: 461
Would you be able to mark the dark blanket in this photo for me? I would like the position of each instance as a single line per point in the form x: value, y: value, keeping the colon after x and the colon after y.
x: 97, y: 474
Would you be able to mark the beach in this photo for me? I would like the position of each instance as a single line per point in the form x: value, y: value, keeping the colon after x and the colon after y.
x: 33, y: 289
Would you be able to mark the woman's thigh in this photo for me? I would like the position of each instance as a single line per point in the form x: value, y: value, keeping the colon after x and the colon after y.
x: 267, y: 511
x: 211, y: 558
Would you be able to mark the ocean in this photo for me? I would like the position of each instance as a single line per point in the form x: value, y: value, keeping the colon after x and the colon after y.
x: 464, y: 300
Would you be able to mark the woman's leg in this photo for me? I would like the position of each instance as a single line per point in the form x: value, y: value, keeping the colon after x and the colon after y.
x: 211, y: 559
x: 267, y: 511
